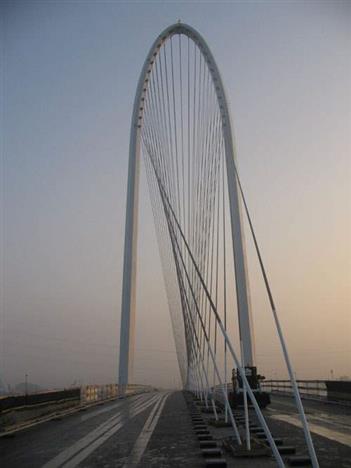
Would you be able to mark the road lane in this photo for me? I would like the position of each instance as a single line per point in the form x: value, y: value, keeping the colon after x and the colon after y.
x: 330, y: 429
x: 319, y: 429
x: 173, y: 443
x: 77, y: 452
x: 330, y: 421
x: 146, y: 433
x: 107, y: 409
x: 153, y: 430
x: 69, y: 441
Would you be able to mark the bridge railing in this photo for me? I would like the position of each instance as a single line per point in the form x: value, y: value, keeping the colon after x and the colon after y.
x: 17, y: 411
x: 81, y: 395
x: 91, y: 393
x: 312, y: 388
x: 333, y: 391
x: 325, y: 390
x: 8, y: 402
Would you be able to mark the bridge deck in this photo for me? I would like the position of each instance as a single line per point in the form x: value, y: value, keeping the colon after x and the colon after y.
x: 155, y: 430
x: 330, y: 426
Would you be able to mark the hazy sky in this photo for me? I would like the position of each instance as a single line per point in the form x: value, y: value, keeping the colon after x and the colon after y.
x: 69, y: 72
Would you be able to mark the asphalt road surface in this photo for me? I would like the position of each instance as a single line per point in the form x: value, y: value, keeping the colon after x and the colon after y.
x: 151, y: 429
x: 330, y: 427
x: 154, y: 430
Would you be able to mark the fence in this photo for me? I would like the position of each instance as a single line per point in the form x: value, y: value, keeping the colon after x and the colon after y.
x: 16, y: 401
x: 90, y: 393
x: 327, y: 390
x: 84, y: 394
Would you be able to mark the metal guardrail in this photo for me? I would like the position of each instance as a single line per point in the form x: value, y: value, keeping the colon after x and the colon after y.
x: 332, y: 391
x: 325, y: 390
x: 90, y: 393
x: 83, y: 395
x: 31, y: 399
x: 314, y: 388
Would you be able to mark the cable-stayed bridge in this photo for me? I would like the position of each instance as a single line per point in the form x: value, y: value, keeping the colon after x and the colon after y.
x: 181, y: 128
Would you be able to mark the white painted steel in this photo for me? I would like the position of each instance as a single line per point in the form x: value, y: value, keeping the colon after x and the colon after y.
x: 242, y: 286
x: 246, y: 408
x: 307, y: 433
x: 126, y: 349
x: 258, y: 411
x: 130, y: 243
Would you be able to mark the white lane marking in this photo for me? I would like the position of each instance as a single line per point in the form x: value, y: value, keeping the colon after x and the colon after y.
x: 107, y: 409
x: 331, y: 434
x: 114, y: 421
x: 71, y: 451
x: 331, y: 420
x: 83, y: 454
x: 145, y: 435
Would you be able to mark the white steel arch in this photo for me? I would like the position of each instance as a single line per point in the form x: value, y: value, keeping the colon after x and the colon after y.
x: 196, y: 323
x: 130, y: 243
